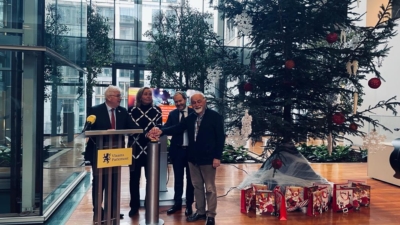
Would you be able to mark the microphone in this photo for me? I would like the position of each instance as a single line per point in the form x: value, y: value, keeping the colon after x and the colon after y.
x: 89, y: 122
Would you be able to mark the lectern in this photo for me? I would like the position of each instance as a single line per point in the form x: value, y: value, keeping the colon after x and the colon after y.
x: 108, y: 159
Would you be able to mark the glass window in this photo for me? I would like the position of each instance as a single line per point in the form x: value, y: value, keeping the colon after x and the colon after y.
x: 230, y: 30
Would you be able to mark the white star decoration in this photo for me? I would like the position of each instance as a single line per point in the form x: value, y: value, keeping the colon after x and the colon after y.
x: 372, y: 142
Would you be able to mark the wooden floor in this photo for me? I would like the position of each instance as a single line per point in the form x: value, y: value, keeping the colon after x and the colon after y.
x: 384, y: 209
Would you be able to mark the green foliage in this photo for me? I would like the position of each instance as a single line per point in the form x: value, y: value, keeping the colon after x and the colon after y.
x: 55, y: 40
x: 290, y: 104
x: 184, y: 47
x: 98, y: 49
x: 234, y: 155
x: 339, y: 154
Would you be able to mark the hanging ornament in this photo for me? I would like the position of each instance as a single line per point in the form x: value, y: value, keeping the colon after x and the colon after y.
x: 342, y: 36
x: 331, y: 37
x: 289, y: 64
x: 248, y: 87
x: 353, y: 126
x: 374, y: 83
x: 338, y: 118
x: 355, y: 96
x: 352, y: 67
x: 277, y: 164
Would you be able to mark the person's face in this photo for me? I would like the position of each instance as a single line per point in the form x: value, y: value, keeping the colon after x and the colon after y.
x: 198, y: 103
x: 180, y: 102
x: 147, y: 97
x: 114, y: 98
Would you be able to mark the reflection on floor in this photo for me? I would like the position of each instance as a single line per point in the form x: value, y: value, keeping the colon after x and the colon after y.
x: 65, y: 210
x: 60, y: 166
x: 384, y: 207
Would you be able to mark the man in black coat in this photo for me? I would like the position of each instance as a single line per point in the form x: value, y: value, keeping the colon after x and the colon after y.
x: 179, y: 156
x: 109, y: 115
x: 206, y: 142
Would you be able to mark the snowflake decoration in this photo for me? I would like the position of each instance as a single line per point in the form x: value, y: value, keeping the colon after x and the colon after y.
x: 372, y: 142
x: 243, y: 23
x: 237, y: 137
x: 214, y: 73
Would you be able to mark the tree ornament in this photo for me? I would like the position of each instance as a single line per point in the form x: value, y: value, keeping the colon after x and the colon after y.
x: 355, y: 102
x: 343, y: 38
x: 352, y: 67
x: 277, y: 164
x: 353, y: 126
x: 248, y: 87
x: 338, y: 118
x: 331, y: 37
x: 374, y: 83
x: 289, y: 64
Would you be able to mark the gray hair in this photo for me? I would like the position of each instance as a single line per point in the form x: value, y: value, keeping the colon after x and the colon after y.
x: 111, y: 88
x: 197, y: 93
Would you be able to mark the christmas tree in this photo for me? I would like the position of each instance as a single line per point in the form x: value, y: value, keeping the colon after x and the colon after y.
x: 308, y: 59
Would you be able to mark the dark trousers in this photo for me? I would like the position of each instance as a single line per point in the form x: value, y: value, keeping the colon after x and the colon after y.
x: 179, y: 163
x: 134, y: 180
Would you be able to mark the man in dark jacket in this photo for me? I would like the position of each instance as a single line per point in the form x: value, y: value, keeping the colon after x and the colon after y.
x: 179, y: 155
x: 206, y: 142
x: 109, y: 115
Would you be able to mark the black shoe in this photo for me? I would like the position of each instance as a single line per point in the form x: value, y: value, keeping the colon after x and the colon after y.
x: 188, y: 210
x: 121, y: 216
x: 210, y: 221
x: 173, y: 209
x: 196, y: 217
x: 133, y: 212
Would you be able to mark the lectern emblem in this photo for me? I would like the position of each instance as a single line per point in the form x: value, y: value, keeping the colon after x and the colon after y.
x: 106, y: 158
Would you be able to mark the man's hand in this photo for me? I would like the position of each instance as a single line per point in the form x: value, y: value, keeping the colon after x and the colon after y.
x: 216, y: 163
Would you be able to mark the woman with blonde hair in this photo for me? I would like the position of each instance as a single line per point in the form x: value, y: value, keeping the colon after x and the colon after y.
x: 145, y: 115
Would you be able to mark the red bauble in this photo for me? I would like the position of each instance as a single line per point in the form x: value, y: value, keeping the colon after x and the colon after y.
x: 338, y: 118
x: 374, y: 83
x: 289, y: 64
x: 248, y: 87
x: 353, y: 126
x: 331, y: 38
x: 277, y: 164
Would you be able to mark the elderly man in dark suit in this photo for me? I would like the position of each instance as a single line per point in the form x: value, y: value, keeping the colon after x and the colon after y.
x: 206, y: 142
x: 109, y: 115
x: 178, y: 153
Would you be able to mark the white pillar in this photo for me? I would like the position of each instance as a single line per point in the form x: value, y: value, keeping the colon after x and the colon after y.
x: 29, y: 87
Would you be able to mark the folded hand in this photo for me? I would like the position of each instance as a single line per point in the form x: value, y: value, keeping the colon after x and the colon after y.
x: 154, y: 133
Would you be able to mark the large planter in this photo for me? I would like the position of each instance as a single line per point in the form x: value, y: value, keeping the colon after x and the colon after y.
x: 395, y: 158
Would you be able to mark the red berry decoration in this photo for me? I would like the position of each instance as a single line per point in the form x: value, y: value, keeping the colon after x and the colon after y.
x: 289, y: 64
x: 277, y: 164
x: 338, y: 118
x: 374, y: 83
x: 331, y: 38
x: 248, y: 87
x: 353, y: 126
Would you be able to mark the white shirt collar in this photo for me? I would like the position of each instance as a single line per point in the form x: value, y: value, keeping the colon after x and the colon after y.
x: 108, y: 107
